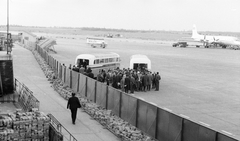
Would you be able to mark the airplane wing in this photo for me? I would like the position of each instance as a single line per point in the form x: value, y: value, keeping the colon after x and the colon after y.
x: 227, y: 43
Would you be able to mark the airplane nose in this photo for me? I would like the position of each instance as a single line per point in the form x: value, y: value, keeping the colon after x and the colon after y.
x: 237, y: 43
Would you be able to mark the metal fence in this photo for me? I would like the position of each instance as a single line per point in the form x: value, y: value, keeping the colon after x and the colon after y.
x: 60, y: 132
x: 26, y: 98
x: 151, y: 119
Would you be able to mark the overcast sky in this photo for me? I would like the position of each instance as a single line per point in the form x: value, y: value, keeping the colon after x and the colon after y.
x: 208, y: 15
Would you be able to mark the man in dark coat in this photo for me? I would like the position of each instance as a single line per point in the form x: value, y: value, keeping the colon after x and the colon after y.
x: 157, y: 79
x: 73, y: 104
x: 149, y: 81
x: 132, y: 84
x: 114, y: 80
x: 127, y: 83
x: 90, y: 74
x: 118, y: 79
x: 144, y: 82
x: 153, y: 80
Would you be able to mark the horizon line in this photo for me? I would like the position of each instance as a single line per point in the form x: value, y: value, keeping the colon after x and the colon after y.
x: 117, y: 29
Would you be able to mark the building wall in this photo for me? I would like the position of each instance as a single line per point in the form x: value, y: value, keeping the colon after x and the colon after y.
x: 28, y: 39
x: 6, y: 74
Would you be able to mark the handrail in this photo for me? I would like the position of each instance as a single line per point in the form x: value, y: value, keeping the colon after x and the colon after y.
x: 60, y: 128
x: 26, y: 98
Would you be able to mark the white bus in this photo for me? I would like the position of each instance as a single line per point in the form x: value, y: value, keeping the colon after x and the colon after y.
x: 94, y: 42
x: 140, y: 62
x: 98, y: 61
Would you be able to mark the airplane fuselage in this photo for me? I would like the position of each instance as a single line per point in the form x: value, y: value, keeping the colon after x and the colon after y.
x: 220, y: 40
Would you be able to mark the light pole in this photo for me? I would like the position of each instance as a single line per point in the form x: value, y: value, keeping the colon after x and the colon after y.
x: 7, y: 23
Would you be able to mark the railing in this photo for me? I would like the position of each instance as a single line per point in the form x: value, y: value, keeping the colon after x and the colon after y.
x: 58, y: 126
x: 26, y: 98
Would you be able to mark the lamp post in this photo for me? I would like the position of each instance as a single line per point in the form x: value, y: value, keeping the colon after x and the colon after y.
x: 7, y: 24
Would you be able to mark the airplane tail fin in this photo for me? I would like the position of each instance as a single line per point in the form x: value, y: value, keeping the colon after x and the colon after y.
x: 194, y: 32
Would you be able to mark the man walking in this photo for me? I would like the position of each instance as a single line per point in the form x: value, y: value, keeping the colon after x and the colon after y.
x: 73, y: 105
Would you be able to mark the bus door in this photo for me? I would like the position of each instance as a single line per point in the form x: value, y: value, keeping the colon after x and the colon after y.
x: 135, y: 66
x: 140, y: 66
x: 83, y: 62
x: 143, y: 66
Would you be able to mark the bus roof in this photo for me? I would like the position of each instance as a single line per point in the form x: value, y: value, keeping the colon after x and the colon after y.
x: 95, y: 38
x: 97, y: 55
x: 138, y: 58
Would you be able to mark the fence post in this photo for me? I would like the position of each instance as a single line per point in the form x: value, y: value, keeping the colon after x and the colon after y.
x: 106, y: 97
x: 78, y: 82
x: 54, y: 64
x: 64, y: 74
x: 95, y: 91
x: 56, y: 67
x: 86, y: 87
x: 15, y: 84
x: 182, y: 130
x: 71, y: 79
x: 137, y: 113
x: 120, y: 104
x: 156, y: 126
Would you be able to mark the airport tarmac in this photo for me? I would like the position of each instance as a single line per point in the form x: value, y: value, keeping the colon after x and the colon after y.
x: 199, y: 83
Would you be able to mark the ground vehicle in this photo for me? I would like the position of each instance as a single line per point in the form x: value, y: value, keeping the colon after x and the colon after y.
x: 180, y: 44
x: 98, y: 61
x: 94, y: 42
x: 140, y: 62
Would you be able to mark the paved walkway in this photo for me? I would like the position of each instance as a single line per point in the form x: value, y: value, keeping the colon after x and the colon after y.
x: 28, y: 71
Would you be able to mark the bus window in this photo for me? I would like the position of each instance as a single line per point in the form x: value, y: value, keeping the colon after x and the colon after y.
x: 80, y: 62
x: 101, y: 61
x: 86, y: 62
x: 96, y: 61
x: 113, y: 59
x: 135, y: 66
x: 110, y: 59
x: 117, y: 59
x: 106, y: 60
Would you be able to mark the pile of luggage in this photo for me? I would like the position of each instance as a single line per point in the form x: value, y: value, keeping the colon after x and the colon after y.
x: 24, y: 126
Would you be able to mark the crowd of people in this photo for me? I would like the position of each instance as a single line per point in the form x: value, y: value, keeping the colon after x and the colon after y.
x: 84, y: 70
x: 127, y: 80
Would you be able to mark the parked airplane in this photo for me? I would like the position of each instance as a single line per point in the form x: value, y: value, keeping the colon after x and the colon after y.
x: 208, y: 40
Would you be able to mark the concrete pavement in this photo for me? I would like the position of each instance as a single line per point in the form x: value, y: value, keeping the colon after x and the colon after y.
x: 27, y: 71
